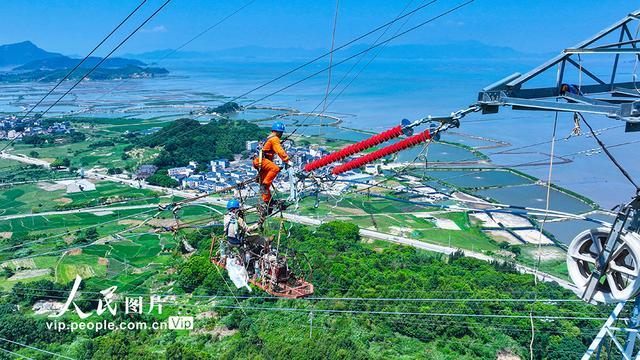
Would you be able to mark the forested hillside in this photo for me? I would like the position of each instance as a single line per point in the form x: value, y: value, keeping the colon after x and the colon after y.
x: 372, y: 301
x: 185, y: 140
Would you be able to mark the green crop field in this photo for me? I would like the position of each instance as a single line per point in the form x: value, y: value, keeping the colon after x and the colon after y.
x: 45, y: 196
x: 139, y: 258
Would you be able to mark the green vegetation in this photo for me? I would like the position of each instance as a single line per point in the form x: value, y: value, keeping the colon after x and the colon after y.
x: 14, y: 172
x: 59, y: 163
x: 186, y: 140
x: 345, y: 267
x: 140, y: 257
x: 162, y: 180
x: 98, y: 74
x: 51, y: 139
x: 49, y: 196
x: 226, y: 108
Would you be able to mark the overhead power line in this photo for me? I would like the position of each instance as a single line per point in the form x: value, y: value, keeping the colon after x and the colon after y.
x: 332, y: 51
x: 615, y: 162
x: 85, y: 58
x: 383, y: 33
x: 350, y: 57
x: 186, y: 43
x: 97, y: 65
x: 333, y: 42
x: 383, y: 26
x: 354, y: 55
x: 36, y: 349
x: 334, y: 298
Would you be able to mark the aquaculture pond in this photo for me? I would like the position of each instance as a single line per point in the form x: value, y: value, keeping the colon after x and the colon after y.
x: 307, y: 120
x: 333, y: 132
x: 479, y: 178
x: 467, y: 140
x: 565, y: 231
x: 535, y: 196
x: 256, y: 114
x: 438, y: 152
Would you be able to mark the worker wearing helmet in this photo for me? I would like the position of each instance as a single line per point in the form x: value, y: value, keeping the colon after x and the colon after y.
x: 267, y: 169
x: 234, y: 227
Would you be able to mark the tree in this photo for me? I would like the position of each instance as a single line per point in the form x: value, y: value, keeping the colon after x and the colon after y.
x: 566, y: 348
x: 178, y: 351
x: 8, y: 272
x: 114, y: 171
x: 91, y: 234
x: 31, y: 292
x: 192, y: 273
x: 34, y: 140
x: 162, y: 180
x: 115, y: 345
x: 227, y: 108
x: 34, y: 154
x: 59, y: 163
x: 81, y: 349
x: 186, y: 139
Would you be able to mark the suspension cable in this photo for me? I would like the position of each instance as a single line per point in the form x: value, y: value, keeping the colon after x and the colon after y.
x: 334, y: 50
x: 430, y: 20
x: 546, y: 215
x: 185, y: 44
x: 609, y: 155
x: 96, y: 66
x: 85, y: 58
x: 310, y: 113
x: 333, y: 41
x: 35, y: 348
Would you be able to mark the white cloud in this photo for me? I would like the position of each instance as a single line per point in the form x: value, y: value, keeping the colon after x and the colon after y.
x: 155, y: 29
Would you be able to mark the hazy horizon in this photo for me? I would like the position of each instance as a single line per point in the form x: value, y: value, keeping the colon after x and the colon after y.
x: 74, y: 27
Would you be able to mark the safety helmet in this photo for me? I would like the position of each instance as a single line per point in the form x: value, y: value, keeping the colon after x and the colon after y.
x: 233, y: 204
x: 277, y: 126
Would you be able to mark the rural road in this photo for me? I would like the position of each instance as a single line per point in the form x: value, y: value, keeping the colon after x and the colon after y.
x: 435, y: 248
x: 305, y: 220
x: 78, y: 211
x: 24, y: 159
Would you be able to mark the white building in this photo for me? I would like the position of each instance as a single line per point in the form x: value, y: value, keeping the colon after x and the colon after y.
x: 180, y: 172
x: 251, y: 145
x: 219, y: 164
x: 371, y: 169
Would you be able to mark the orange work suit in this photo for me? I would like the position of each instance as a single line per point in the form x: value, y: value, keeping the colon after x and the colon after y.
x: 268, y: 170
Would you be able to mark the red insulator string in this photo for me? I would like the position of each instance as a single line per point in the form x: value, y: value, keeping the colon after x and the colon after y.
x: 354, y: 148
x: 378, y: 154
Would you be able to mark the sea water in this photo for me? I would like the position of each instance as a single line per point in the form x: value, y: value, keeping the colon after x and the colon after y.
x: 384, y: 93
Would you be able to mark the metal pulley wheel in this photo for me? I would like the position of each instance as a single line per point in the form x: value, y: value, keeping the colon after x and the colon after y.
x: 621, y: 276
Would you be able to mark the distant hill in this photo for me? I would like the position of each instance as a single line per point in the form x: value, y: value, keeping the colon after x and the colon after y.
x: 457, y: 50
x: 64, y: 62
x: 31, y: 63
x: 454, y: 50
x: 22, y: 53
x: 128, y: 72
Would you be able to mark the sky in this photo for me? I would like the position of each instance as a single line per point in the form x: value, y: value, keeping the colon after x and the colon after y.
x: 73, y: 27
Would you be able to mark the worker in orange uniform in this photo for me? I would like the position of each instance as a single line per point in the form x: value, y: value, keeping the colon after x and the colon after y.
x: 267, y: 169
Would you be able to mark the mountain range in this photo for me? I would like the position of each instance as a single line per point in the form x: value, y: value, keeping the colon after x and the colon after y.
x: 25, y: 61
x: 459, y: 50
x: 22, y: 53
